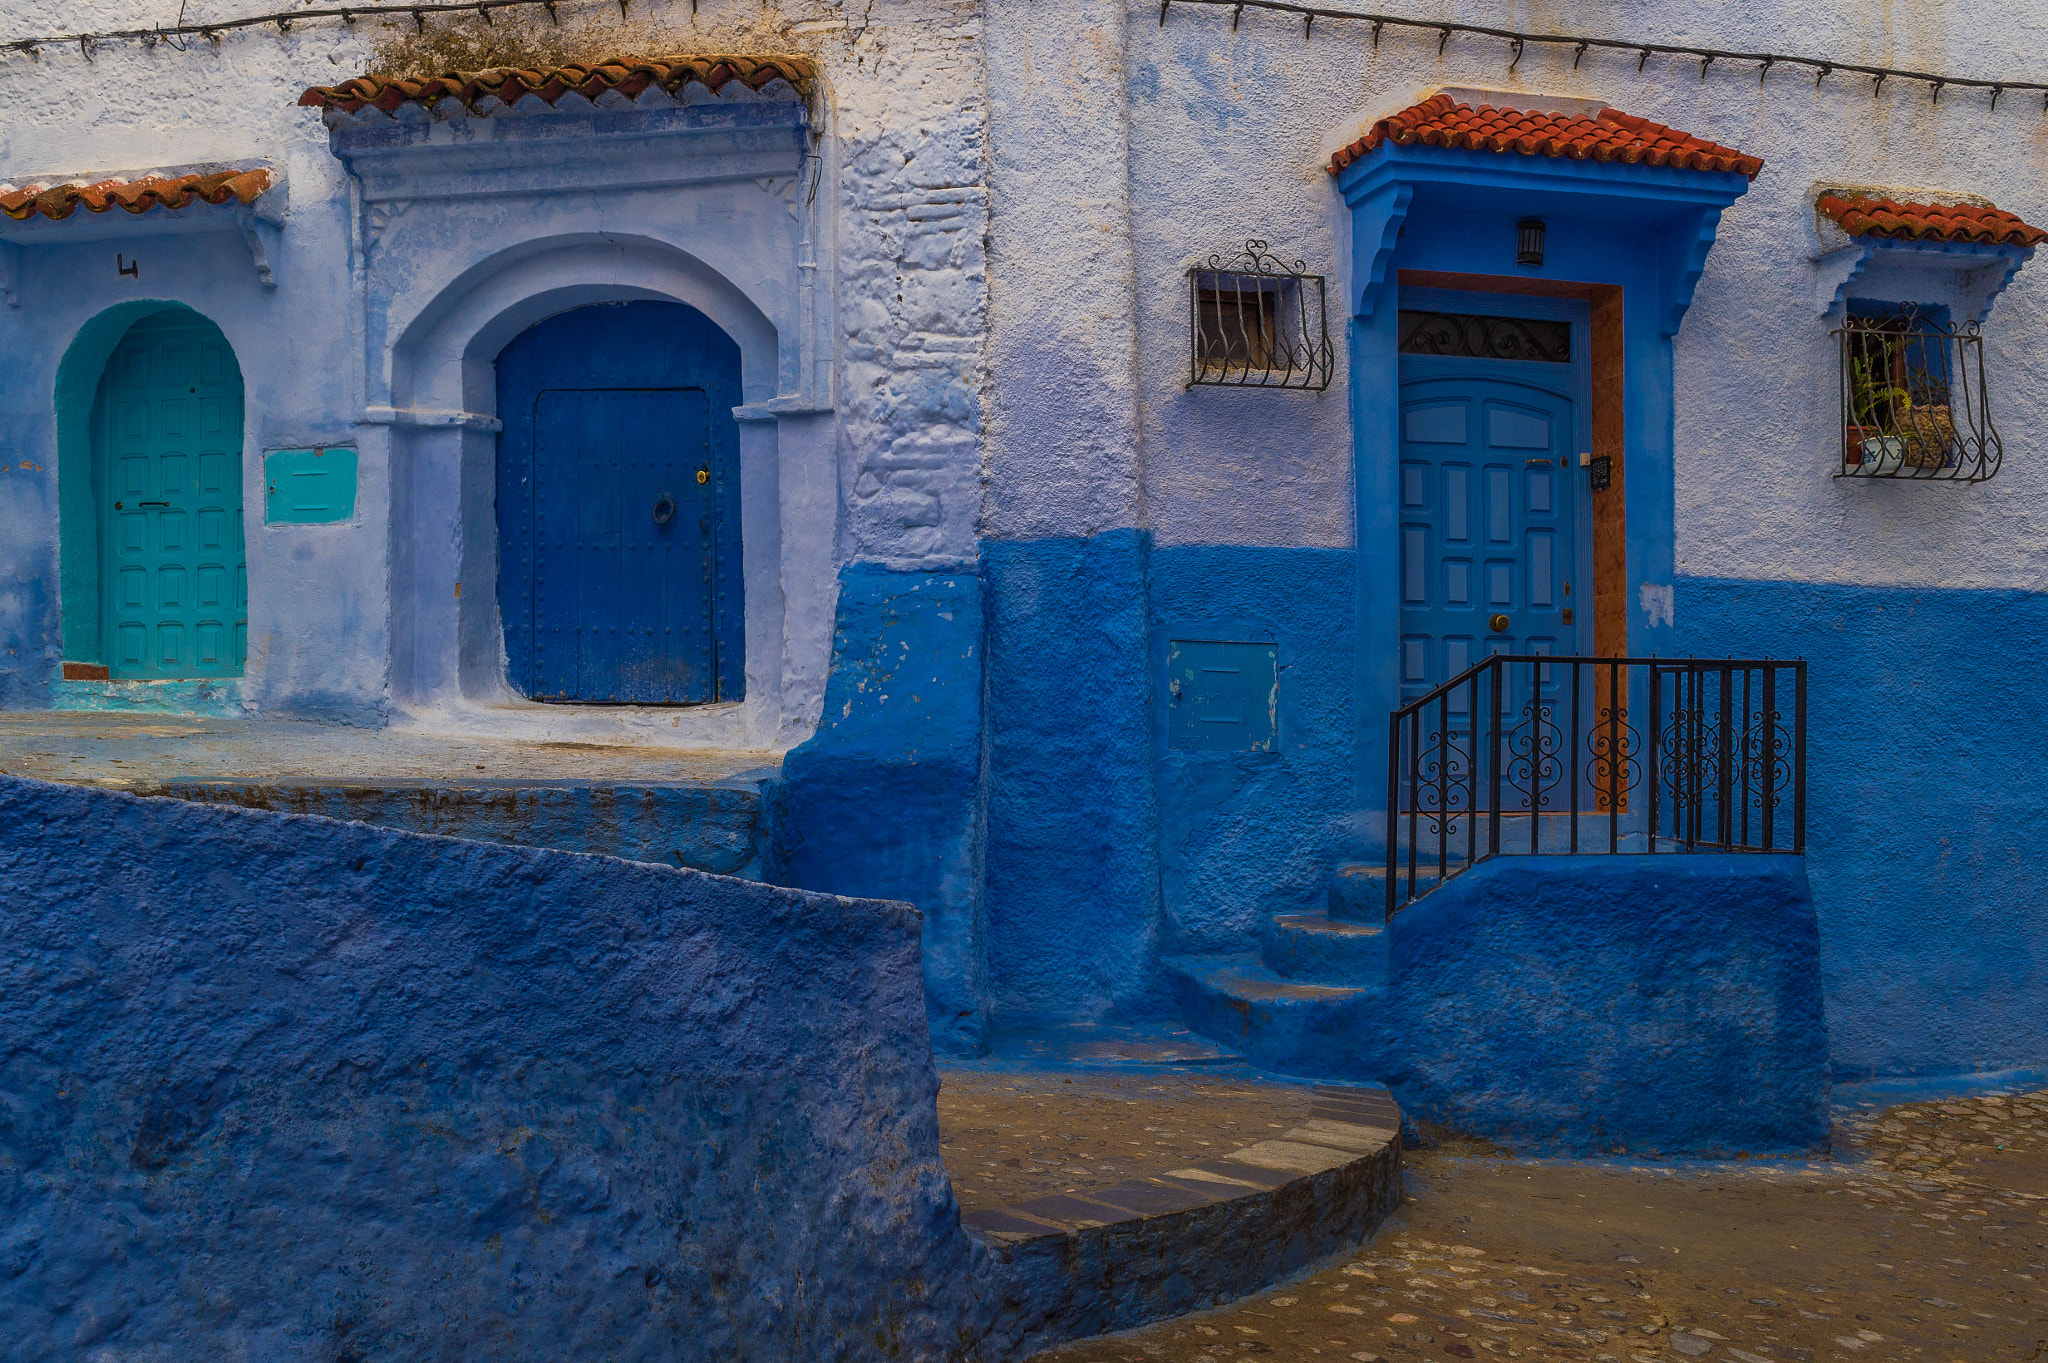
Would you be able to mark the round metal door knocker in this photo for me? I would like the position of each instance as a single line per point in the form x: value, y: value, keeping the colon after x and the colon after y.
x: 1498, y: 624
x: 664, y: 509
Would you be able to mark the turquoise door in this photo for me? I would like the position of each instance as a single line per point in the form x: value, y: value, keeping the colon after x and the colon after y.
x: 1490, y: 508
x: 167, y: 466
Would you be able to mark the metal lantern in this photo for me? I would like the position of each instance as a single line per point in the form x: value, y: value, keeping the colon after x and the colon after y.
x: 1529, y: 241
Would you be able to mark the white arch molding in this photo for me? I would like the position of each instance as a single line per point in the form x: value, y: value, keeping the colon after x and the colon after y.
x: 433, y: 409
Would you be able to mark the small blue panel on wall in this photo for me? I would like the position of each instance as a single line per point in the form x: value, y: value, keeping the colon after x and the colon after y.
x: 1222, y: 697
x: 309, y: 487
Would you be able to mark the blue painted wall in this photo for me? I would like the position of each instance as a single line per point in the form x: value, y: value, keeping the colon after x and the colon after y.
x: 1244, y: 835
x: 885, y: 800
x: 286, y: 1088
x: 1925, y: 801
x: 1630, y: 1003
x: 1073, y: 878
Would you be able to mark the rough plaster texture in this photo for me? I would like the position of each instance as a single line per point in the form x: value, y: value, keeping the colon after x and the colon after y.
x: 1073, y: 878
x: 1246, y: 835
x: 280, y: 1087
x: 1585, y: 1004
x: 1925, y: 879
x: 886, y: 800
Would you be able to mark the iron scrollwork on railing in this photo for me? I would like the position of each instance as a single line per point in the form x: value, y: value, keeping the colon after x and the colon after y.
x: 1257, y: 321
x: 1531, y: 755
x: 1914, y: 401
x: 1473, y: 336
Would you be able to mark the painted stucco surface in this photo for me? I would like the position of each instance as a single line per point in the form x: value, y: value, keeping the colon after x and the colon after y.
x: 1922, y: 781
x: 280, y: 1087
x: 1615, y: 1003
x: 886, y: 799
x: 1575, y: 1004
x: 1245, y: 835
x: 1073, y: 906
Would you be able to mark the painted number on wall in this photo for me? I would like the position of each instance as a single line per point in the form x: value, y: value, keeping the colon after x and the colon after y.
x: 309, y: 487
x: 1222, y: 697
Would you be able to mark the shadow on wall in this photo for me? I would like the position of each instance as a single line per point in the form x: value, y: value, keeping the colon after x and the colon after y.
x: 377, y: 1083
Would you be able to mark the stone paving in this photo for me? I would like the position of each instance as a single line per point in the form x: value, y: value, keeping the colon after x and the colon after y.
x: 1925, y: 1238
x: 1006, y: 1137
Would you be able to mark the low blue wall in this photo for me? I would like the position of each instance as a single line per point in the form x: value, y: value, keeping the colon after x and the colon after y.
x: 1627, y: 1003
x: 885, y: 799
x: 1925, y: 802
x: 284, y: 1088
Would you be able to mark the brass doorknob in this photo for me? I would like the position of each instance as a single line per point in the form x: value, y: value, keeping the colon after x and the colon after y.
x: 1498, y: 624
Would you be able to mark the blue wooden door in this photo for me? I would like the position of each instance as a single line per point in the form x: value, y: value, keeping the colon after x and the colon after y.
x: 1489, y: 517
x: 618, y: 508
x: 167, y: 437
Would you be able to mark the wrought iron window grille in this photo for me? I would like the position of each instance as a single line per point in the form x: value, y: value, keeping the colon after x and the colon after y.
x: 1541, y: 755
x: 1914, y: 402
x: 1258, y: 322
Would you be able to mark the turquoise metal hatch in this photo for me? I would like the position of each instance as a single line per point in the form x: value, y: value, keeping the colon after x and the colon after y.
x: 309, y: 487
x: 1222, y: 697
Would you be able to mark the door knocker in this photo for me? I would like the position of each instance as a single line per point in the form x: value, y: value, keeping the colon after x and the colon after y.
x: 664, y: 509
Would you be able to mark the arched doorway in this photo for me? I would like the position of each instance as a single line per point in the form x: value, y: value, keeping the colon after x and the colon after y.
x: 619, y: 577
x: 166, y: 508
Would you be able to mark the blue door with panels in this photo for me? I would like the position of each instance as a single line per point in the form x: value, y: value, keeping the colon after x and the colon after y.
x: 167, y: 465
x: 1490, y: 508
x: 618, y: 508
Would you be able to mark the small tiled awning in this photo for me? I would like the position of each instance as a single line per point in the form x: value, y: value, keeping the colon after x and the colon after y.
x: 135, y: 196
x: 1865, y: 216
x: 1607, y: 136
x: 508, y: 85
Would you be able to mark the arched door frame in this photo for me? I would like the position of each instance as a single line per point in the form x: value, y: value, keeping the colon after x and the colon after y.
x: 78, y: 520
x: 437, y: 427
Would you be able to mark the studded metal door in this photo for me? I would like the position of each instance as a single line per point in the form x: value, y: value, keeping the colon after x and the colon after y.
x: 618, y: 517
x: 167, y: 436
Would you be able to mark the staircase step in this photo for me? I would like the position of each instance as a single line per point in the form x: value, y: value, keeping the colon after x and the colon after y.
x: 1281, y: 1024
x: 1358, y: 892
x: 1318, y: 949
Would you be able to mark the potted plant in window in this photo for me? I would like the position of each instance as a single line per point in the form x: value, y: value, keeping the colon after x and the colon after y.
x: 1876, y: 407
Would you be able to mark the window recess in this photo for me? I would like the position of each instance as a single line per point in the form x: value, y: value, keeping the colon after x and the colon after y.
x: 1914, y: 400
x: 1257, y: 322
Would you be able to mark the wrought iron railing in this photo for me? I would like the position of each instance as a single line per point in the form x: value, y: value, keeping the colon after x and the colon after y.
x: 1914, y: 400
x: 1258, y: 322
x: 1534, y: 755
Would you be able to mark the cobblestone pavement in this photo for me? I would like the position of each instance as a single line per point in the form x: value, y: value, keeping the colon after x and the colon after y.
x: 1927, y: 1238
x: 1006, y: 1137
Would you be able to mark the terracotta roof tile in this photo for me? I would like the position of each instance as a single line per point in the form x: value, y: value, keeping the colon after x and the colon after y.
x: 136, y: 196
x: 628, y: 76
x: 1440, y: 121
x: 1862, y: 216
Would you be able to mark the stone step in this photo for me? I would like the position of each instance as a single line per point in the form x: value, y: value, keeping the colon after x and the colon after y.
x: 1280, y: 1024
x: 1322, y: 950
x: 1358, y: 892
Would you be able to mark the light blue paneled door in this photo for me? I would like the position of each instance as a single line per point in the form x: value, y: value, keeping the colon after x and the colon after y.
x: 1489, y: 515
x: 167, y: 445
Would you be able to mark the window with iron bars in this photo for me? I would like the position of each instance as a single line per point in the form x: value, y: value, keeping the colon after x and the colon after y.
x: 1914, y: 400
x: 1257, y: 322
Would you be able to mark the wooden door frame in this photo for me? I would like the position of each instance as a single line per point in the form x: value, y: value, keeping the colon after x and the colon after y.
x: 1604, y: 422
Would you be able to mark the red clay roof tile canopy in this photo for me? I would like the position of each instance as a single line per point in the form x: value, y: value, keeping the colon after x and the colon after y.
x: 1862, y: 216
x: 136, y: 196
x: 1440, y: 121
x: 630, y: 76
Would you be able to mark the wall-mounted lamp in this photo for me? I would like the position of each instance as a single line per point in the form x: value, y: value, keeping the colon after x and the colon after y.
x: 1529, y: 241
